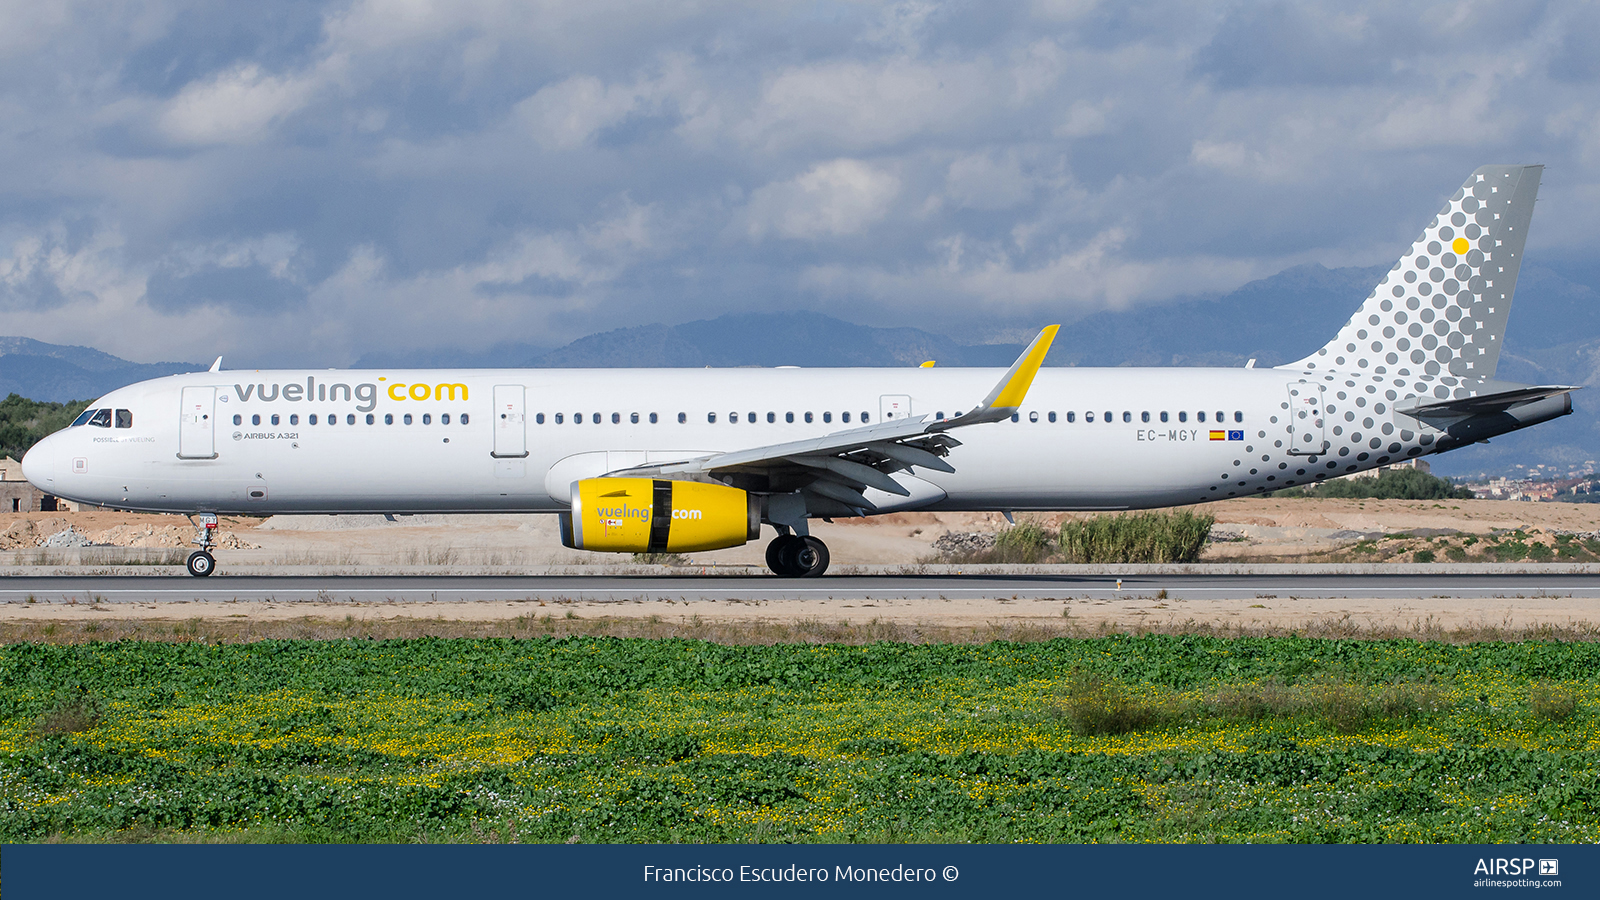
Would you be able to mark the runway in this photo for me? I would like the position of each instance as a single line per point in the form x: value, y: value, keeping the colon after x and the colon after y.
x: 322, y: 590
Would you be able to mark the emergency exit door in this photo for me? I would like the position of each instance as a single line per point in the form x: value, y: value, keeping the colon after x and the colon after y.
x: 197, y: 424
x: 510, y: 422
x: 894, y: 406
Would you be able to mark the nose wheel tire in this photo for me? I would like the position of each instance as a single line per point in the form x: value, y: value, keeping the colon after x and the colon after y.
x: 793, y: 556
x: 201, y: 564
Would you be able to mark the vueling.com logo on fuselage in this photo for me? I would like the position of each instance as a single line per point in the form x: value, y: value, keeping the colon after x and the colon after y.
x: 366, y: 393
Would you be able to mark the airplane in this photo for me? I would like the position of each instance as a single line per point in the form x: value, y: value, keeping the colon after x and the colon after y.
x: 684, y: 460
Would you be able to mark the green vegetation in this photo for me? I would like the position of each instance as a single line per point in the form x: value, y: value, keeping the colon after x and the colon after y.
x: 1120, y: 738
x: 1394, y: 484
x: 1149, y: 537
x: 25, y: 422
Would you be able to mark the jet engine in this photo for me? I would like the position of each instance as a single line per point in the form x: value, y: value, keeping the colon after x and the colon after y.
x: 644, y: 515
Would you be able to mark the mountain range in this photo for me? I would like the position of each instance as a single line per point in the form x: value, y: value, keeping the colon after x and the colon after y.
x: 1554, y: 338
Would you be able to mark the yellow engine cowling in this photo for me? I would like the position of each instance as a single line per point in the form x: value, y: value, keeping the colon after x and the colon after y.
x: 644, y: 515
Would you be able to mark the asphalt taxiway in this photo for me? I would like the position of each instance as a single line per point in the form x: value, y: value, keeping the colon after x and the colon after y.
x: 422, y: 589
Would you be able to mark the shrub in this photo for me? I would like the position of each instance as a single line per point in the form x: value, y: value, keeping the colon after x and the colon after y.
x: 72, y: 716
x: 1025, y: 543
x: 1094, y: 705
x: 1151, y: 537
x: 1395, y: 484
x: 1551, y: 702
x: 1422, y: 556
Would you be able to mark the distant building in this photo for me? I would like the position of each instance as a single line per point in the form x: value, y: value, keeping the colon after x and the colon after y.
x: 1421, y: 465
x: 17, y: 495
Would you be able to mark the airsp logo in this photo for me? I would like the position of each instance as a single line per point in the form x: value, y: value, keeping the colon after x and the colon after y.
x: 1549, y: 867
x: 238, y: 435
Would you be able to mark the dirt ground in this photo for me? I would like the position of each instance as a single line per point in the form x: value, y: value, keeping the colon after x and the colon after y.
x: 1272, y: 529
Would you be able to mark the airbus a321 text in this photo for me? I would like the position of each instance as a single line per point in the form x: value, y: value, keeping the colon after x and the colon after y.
x: 679, y: 460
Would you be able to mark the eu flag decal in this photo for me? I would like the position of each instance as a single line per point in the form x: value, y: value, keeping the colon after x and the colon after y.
x: 1235, y: 435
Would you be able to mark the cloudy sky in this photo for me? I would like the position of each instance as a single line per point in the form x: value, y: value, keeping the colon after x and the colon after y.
x: 302, y: 183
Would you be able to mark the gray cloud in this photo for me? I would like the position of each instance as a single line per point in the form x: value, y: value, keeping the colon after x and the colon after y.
x: 305, y: 183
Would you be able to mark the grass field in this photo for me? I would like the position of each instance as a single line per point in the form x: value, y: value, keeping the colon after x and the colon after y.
x: 598, y: 739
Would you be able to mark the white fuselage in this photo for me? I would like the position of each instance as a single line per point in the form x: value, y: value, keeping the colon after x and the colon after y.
x: 1120, y: 438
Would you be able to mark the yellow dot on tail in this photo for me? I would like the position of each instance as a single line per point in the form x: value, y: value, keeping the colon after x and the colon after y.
x: 1460, y: 246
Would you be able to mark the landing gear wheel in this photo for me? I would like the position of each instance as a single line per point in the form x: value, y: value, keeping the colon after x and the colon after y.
x: 811, y: 558
x: 781, y: 553
x: 201, y: 564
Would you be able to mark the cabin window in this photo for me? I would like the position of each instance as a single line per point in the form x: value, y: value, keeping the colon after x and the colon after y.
x: 750, y: 417
x: 595, y: 418
x: 312, y: 418
x: 1144, y: 416
x: 772, y: 417
x: 827, y: 417
x: 1033, y: 416
x: 633, y: 418
x: 939, y: 415
x: 388, y: 418
x: 443, y: 419
x: 1072, y: 416
x: 733, y: 418
x: 1238, y: 415
x: 1016, y: 417
x: 577, y: 418
x: 844, y: 417
x: 1163, y: 415
x: 711, y: 417
x: 682, y: 418
x: 406, y: 419
x: 1183, y: 416
x: 255, y: 420
x: 808, y: 417
x: 275, y: 418
x: 1052, y: 415
x: 865, y: 418
x: 464, y: 419
x: 1221, y: 417
x: 789, y: 417
x: 294, y: 418
x: 371, y: 419
x: 616, y: 418
x: 539, y: 419
x: 333, y: 420
x: 238, y: 419
x: 1200, y: 416
x: 1127, y: 416
x: 1110, y: 417
x: 427, y: 418
x: 350, y: 419
x: 654, y: 418
x: 125, y: 418
x: 1088, y: 417
x: 560, y: 418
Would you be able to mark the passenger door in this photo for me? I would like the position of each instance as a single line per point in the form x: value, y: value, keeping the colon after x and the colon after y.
x: 510, y: 422
x: 197, y: 430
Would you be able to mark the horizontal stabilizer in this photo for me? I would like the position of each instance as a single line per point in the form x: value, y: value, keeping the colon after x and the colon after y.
x: 1482, y: 403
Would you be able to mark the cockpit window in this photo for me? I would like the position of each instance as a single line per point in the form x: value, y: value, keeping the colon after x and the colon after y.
x: 124, y: 418
x: 101, y: 418
x: 83, y: 418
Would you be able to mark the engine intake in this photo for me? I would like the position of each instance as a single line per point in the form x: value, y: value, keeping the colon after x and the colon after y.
x: 644, y: 515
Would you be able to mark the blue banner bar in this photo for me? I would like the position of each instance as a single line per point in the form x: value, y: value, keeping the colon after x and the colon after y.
x: 393, y: 872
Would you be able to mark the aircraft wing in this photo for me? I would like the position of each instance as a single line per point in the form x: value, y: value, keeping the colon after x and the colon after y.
x: 841, y: 465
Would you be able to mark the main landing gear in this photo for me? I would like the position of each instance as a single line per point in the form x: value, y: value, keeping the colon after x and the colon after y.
x: 793, y: 556
x: 201, y: 563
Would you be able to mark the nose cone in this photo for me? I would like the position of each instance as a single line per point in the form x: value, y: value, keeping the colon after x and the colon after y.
x: 39, y: 464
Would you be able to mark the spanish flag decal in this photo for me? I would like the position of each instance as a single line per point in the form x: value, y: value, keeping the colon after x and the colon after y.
x: 1219, y: 435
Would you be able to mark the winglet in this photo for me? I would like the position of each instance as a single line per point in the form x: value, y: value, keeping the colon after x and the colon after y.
x: 216, y: 366
x: 1009, y: 393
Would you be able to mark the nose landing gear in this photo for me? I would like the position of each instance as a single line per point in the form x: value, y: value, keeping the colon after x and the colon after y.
x: 793, y: 556
x: 201, y: 563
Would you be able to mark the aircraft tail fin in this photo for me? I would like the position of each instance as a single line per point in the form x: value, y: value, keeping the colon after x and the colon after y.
x: 1442, y: 309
